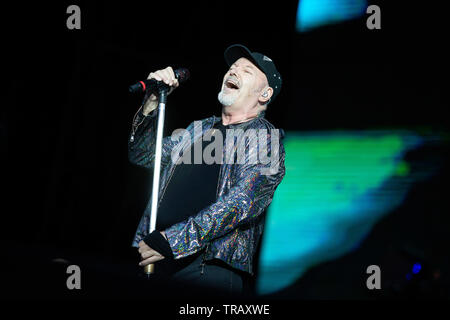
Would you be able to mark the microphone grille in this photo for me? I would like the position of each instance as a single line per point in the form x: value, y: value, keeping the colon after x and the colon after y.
x: 182, y: 74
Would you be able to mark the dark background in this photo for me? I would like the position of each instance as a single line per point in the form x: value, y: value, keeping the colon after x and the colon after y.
x: 69, y: 191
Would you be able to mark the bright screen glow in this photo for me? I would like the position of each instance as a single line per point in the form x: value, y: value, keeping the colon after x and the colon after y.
x: 316, y: 13
x: 337, y: 186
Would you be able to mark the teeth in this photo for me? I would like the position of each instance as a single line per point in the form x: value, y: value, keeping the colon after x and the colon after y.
x: 232, y: 83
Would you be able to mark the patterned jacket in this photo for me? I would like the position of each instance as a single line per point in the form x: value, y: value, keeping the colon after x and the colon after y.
x: 230, y: 228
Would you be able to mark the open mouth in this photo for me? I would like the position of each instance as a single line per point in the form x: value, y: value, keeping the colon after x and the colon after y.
x: 232, y: 84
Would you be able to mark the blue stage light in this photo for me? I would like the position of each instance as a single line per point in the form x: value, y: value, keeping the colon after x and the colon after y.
x: 316, y: 13
x: 416, y: 268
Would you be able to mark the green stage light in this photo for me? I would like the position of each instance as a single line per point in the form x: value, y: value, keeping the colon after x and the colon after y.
x: 337, y: 186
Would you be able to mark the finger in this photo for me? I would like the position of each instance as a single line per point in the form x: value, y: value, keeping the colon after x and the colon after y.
x: 149, y: 253
x: 173, y: 78
x: 141, y: 245
x: 161, y: 76
x: 166, y: 76
x: 154, y: 75
x: 171, y: 72
x: 144, y: 249
x: 150, y: 260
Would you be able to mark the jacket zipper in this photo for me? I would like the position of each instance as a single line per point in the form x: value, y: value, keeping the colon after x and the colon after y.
x: 202, y: 264
x: 165, y: 187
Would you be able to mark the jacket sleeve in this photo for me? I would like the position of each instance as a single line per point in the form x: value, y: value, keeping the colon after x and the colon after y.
x: 142, y: 141
x: 250, y: 195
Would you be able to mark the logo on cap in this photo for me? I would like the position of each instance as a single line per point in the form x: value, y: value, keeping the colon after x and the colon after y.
x: 267, y: 58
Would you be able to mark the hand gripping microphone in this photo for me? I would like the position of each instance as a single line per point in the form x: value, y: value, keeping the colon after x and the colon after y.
x: 182, y: 75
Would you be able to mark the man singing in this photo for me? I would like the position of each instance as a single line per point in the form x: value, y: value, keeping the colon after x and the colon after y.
x: 211, y: 215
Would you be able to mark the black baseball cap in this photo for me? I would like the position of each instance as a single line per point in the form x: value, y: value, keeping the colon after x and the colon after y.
x: 263, y: 62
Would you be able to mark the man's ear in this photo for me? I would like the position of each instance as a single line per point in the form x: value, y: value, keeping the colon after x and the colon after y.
x: 265, y: 96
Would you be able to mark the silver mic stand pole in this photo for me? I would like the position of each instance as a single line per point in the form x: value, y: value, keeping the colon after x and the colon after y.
x: 163, y: 89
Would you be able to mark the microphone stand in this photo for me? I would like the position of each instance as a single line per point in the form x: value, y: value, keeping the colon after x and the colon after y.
x: 162, y: 90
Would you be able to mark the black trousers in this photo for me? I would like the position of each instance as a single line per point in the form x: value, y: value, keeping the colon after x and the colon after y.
x: 203, y: 278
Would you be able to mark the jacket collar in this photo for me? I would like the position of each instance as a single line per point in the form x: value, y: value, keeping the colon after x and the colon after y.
x: 241, y: 124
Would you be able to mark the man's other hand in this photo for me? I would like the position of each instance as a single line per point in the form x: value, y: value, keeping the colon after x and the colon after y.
x: 148, y: 255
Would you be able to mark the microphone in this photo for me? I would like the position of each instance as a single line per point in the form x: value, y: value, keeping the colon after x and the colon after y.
x: 182, y: 75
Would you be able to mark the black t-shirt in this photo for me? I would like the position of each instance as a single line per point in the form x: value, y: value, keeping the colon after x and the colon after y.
x: 191, y: 188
